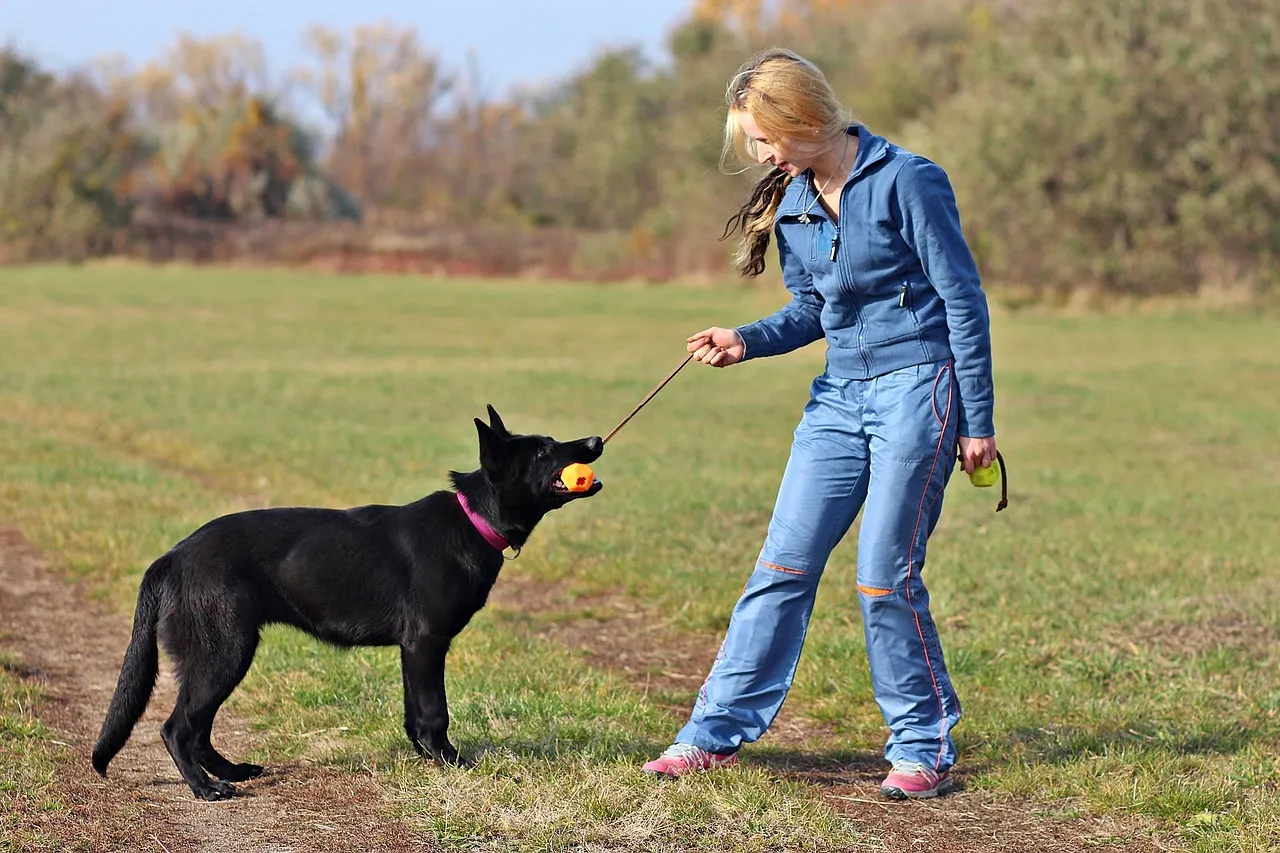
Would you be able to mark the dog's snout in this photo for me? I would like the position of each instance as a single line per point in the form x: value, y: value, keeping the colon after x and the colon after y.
x: 593, y: 445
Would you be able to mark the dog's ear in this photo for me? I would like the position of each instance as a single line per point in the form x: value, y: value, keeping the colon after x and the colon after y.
x: 496, y: 423
x: 493, y: 451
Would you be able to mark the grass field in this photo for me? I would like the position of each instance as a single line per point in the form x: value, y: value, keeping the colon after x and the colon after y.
x: 1113, y: 635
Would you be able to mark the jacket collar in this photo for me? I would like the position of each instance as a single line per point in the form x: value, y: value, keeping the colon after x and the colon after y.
x: 800, y: 193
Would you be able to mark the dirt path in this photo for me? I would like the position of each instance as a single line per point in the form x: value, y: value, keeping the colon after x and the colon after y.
x: 74, y: 651
x: 659, y: 659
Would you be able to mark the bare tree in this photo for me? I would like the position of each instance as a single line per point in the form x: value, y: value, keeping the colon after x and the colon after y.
x: 380, y: 86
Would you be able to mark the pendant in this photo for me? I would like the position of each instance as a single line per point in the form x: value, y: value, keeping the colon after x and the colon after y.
x: 804, y: 219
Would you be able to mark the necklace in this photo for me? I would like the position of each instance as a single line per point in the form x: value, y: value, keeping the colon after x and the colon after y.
x: 818, y: 191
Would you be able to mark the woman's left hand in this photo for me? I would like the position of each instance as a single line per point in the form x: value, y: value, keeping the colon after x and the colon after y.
x: 977, y: 452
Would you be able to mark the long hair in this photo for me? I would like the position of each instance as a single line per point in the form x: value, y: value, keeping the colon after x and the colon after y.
x: 791, y: 100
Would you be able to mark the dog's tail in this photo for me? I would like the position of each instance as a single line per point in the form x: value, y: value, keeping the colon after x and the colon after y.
x: 138, y: 674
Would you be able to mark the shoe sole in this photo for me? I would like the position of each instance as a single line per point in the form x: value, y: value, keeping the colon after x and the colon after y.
x: 900, y: 794
x: 661, y: 774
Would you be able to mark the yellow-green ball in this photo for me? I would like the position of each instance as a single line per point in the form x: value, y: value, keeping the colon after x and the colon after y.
x: 986, y: 477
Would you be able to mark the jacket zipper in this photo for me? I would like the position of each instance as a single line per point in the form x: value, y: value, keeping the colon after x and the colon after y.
x: 857, y: 301
x: 862, y: 350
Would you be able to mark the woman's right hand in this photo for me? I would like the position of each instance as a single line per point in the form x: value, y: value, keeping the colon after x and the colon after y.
x: 717, y: 347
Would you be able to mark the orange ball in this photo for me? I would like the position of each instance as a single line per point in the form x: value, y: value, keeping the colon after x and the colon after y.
x: 577, y: 477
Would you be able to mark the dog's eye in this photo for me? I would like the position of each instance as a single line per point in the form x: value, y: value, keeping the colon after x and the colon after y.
x: 544, y: 452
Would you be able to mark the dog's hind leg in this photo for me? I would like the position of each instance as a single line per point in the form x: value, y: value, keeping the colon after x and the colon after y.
x: 212, y: 760
x: 222, y: 767
x: 211, y: 662
x: 423, y: 670
x: 182, y: 734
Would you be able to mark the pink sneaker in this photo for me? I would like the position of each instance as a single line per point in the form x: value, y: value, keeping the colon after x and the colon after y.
x: 911, y: 780
x: 682, y: 758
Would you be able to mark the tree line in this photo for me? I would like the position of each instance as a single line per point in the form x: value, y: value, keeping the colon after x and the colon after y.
x: 1131, y: 146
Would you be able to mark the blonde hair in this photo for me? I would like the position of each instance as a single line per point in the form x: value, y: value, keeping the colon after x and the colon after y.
x: 791, y: 100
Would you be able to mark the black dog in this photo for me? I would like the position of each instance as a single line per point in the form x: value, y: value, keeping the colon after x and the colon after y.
x: 410, y: 576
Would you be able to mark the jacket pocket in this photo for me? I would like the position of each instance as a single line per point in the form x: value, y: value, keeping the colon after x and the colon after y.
x: 821, y: 232
x: 906, y: 302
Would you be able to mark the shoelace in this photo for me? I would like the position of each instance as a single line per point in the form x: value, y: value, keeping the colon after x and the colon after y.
x: 688, y: 753
x: 910, y: 767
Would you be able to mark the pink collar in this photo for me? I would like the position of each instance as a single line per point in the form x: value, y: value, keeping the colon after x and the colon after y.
x: 490, y: 535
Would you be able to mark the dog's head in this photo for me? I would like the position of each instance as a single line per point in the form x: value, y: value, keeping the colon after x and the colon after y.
x: 524, y: 470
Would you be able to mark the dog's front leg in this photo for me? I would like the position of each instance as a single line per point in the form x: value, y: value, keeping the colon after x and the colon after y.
x: 411, y: 715
x: 422, y: 665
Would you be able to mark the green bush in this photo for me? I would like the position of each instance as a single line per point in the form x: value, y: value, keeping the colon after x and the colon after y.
x: 1127, y: 145
x: 67, y: 156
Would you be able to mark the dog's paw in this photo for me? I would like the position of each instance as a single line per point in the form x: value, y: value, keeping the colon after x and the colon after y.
x: 216, y: 791
x: 243, y: 773
x: 446, y: 755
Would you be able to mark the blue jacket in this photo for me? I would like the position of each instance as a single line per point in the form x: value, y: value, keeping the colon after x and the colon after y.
x: 894, y: 285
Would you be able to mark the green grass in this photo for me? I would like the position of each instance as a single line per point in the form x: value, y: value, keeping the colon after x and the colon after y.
x: 1112, y: 635
x: 28, y: 755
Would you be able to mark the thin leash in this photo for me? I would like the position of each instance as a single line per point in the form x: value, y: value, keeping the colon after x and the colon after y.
x: 652, y: 394
x: 1004, y: 478
x: 1004, y: 482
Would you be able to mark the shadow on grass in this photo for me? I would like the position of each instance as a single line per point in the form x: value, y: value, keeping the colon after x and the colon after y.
x: 560, y: 749
x: 822, y: 767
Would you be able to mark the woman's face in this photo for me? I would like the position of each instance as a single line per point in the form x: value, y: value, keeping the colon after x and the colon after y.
x: 790, y: 156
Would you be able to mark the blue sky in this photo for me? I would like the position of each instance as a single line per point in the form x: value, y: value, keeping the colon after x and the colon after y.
x: 513, y: 42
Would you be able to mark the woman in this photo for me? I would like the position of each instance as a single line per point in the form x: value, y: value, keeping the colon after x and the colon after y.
x: 871, y: 250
